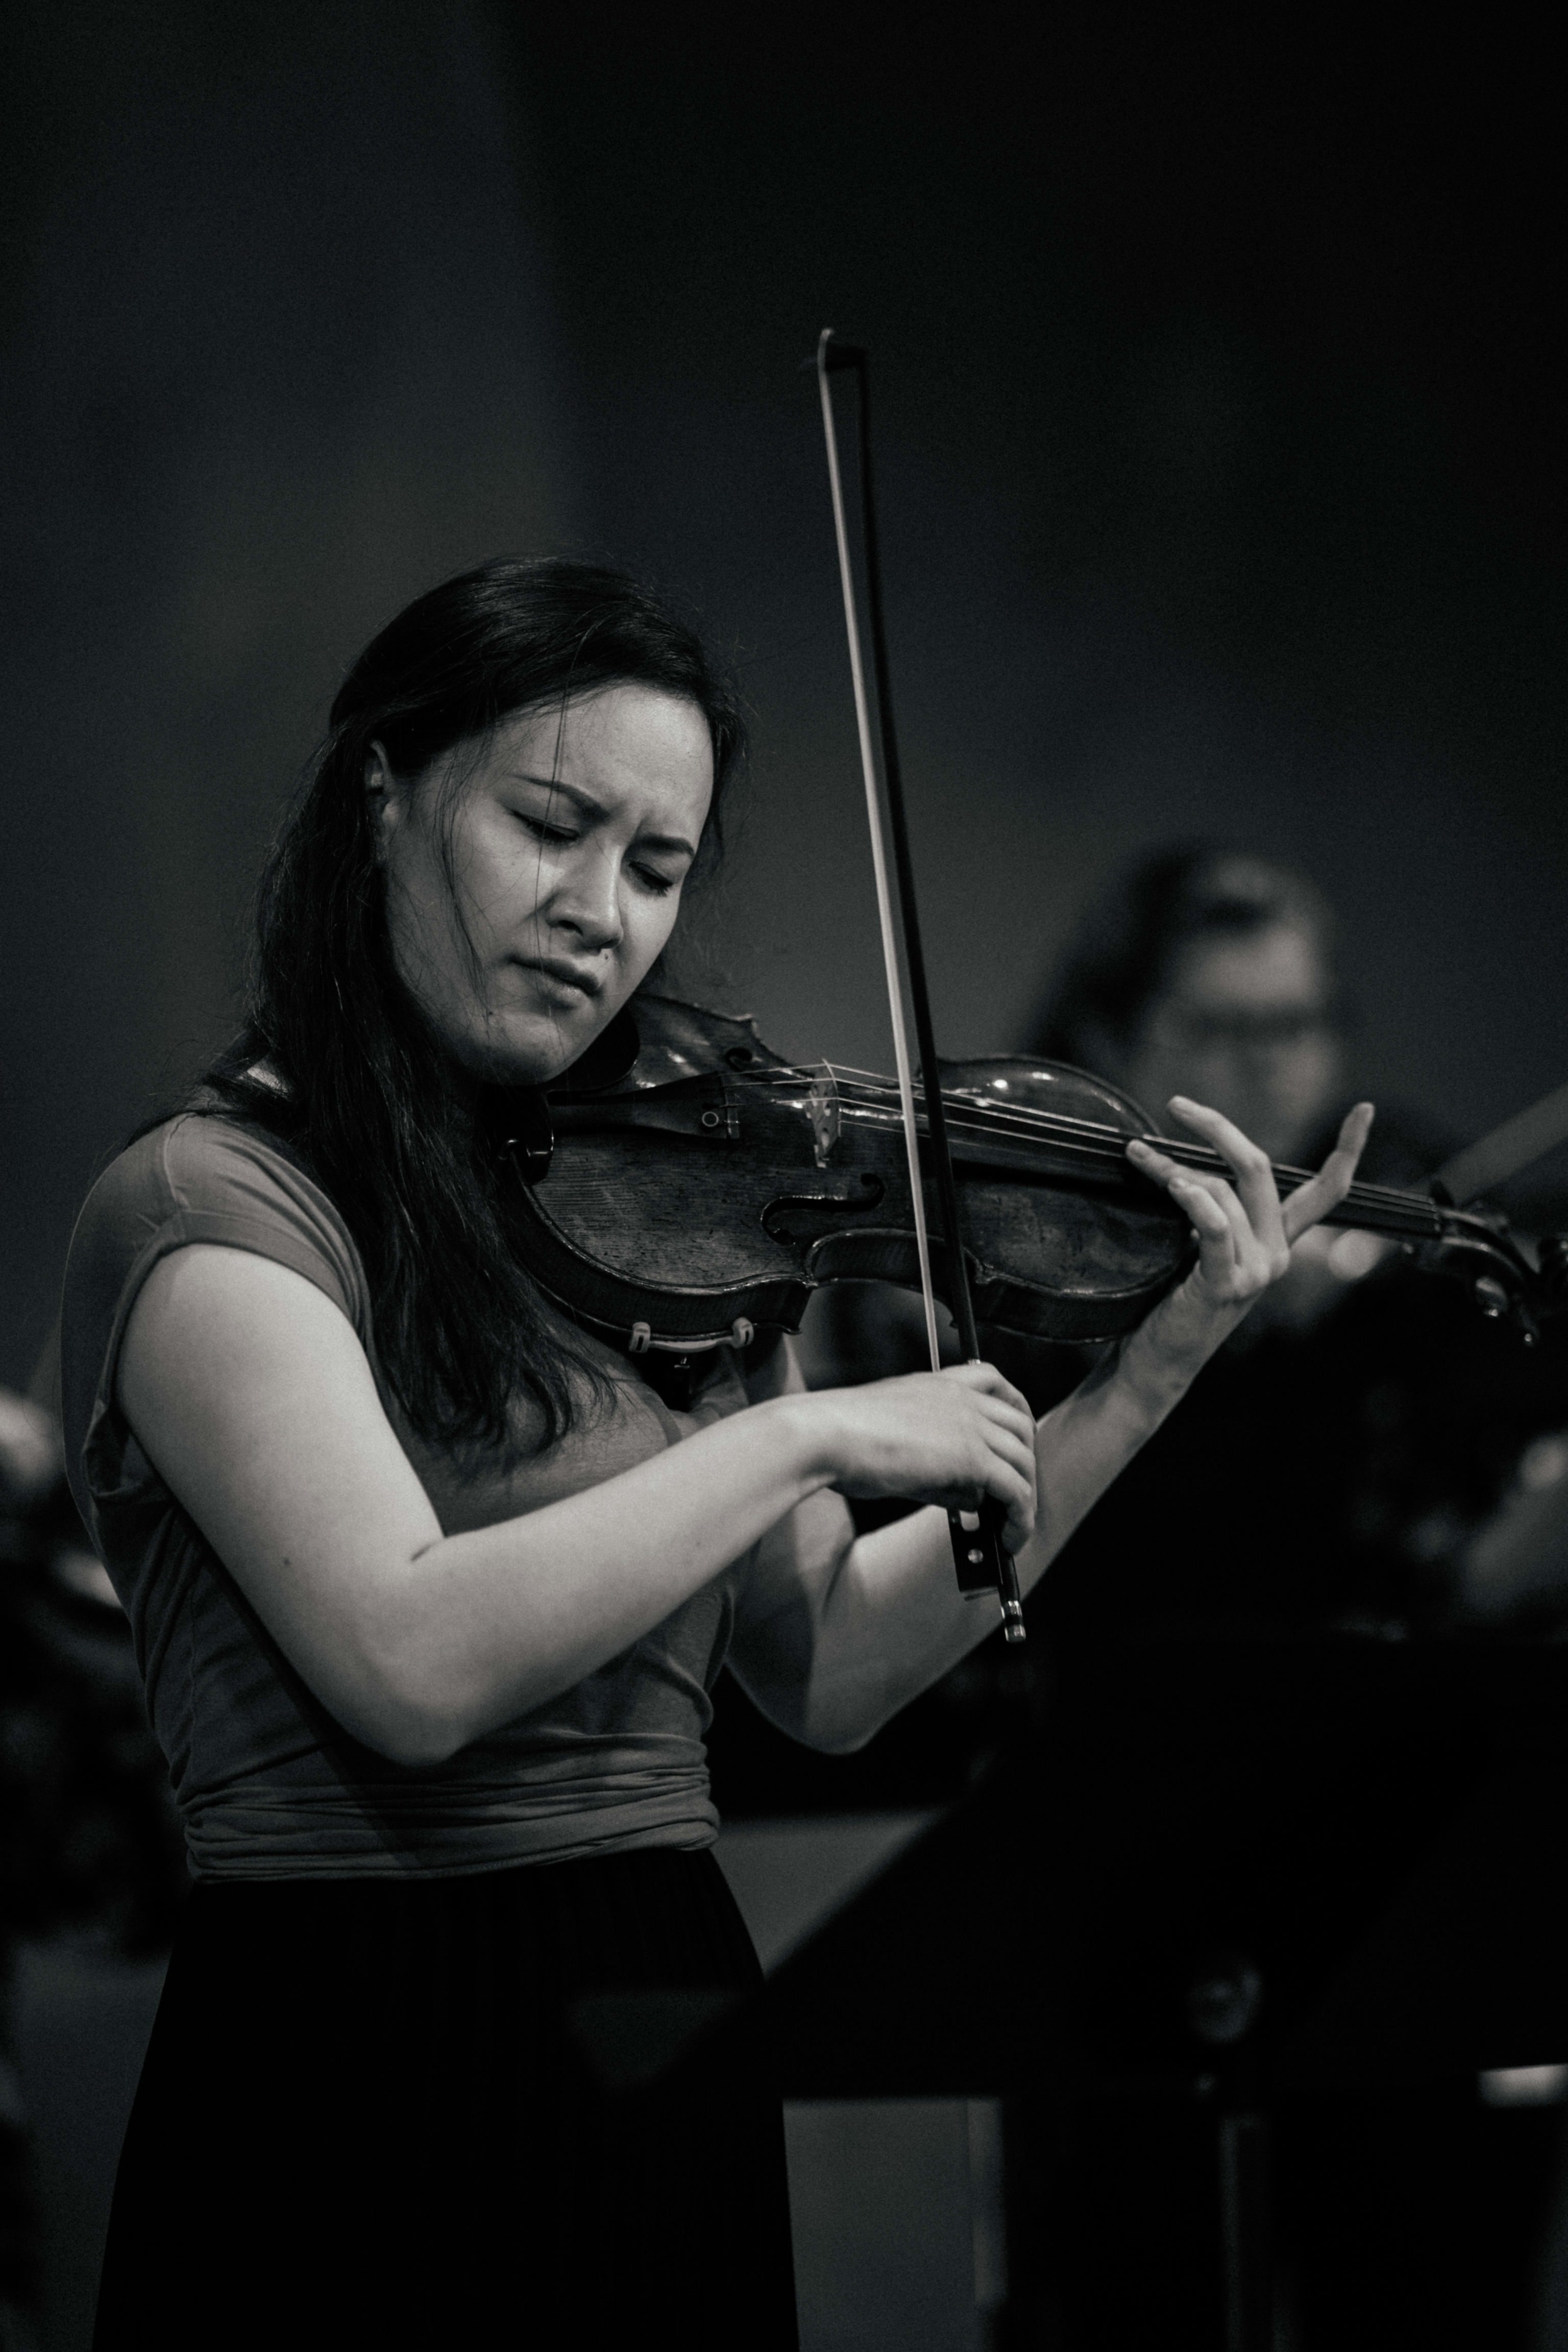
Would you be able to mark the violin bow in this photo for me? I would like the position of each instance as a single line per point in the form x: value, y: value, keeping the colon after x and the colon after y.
x: 981, y: 1560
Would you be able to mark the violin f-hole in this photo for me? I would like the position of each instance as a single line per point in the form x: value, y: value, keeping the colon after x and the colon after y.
x: 821, y: 1209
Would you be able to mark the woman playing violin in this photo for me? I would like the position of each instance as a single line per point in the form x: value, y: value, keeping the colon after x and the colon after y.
x: 429, y: 1587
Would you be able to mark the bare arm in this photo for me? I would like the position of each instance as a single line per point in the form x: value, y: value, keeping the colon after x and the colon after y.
x: 250, y: 1392
x: 252, y: 1395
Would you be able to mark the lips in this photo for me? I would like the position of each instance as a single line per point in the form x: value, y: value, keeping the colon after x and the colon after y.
x: 566, y: 975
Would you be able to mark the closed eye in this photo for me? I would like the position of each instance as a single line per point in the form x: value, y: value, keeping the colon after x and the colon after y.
x: 557, y: 836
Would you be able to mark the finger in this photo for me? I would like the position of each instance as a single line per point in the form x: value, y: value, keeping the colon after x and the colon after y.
x: 1016, y: 1493
x: 1249, y: 1165
x: 1254, y: 1262
x: 988, y: 1380
x: 1162, y: 1170
x: 996, y: 1482
x: 1151, y: 1162
x: 1334, y: 1180
x: 1016, y: 1451
x: 1222, y: 1215
x: 1005, y: 1469
x: 1001, y: 1413
x: 1217, y: 1236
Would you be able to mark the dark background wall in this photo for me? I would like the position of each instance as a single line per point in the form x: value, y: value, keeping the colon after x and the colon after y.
x: 1220, y: 477
x: 276, y: 355
x: 1221, y: 482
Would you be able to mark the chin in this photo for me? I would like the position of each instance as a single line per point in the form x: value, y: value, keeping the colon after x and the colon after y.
x: 530, y: 1054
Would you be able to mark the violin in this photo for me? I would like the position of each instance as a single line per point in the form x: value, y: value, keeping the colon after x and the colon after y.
x: 686, y: 1188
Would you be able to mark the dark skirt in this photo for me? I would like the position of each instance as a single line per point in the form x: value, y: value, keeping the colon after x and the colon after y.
x: 526, y: 2108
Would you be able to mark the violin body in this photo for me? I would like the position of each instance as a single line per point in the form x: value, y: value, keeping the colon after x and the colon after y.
x: 712, y: 1186
x: 684, y: 1187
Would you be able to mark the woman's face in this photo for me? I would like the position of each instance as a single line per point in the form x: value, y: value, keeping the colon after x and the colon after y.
x: 526, y: 901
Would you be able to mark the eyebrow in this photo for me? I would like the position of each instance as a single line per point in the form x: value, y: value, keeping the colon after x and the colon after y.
x: 593, y: 808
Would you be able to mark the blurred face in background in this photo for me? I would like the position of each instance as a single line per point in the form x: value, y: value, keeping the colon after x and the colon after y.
x: 1245, y: 1022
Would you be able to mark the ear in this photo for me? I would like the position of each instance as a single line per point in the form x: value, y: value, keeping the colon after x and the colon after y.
x: 382, y: 798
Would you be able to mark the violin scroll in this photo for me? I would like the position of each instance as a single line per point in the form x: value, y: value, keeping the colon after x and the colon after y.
x: 1502, y: 1281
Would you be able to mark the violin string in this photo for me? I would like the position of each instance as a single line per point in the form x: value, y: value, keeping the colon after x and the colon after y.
x: 1023, y: 1124
x: 1406, y: 1215
x: 1026, y: 1121
x: 1409, y: 1216
x: 1027, y: 1124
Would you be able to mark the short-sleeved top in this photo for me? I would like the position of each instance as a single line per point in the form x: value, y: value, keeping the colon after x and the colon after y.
x: 269, y: 1785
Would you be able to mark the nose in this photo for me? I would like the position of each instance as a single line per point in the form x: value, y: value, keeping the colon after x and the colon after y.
x: 586, y: 900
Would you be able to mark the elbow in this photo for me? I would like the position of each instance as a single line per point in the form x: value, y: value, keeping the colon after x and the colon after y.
x: 835, y: 1731
x: 419, y: 1701
x: 840, y: 1739
x: 417, y: 1742
x: 831, y: 1722
x: 843, y: 1713
x: 392, y: 1706
x: 406, y: 1732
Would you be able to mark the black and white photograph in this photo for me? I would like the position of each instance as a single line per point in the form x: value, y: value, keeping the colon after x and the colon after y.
x: 783, y: 1191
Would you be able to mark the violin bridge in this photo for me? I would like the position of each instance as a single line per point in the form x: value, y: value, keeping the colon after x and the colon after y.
x: 822, y: 1110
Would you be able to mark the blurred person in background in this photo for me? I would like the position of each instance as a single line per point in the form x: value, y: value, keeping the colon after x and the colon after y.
x: 1409, y: 1413
x: 90, y: 1854
x: 1202, y: 960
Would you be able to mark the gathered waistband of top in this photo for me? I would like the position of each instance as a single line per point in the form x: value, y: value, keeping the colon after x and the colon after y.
x: 422, y: 1829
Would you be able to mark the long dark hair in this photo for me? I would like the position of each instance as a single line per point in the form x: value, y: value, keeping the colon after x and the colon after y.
x: 367, y: 1098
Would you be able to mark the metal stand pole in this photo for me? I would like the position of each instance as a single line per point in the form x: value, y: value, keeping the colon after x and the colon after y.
x: 1246, y: 2232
